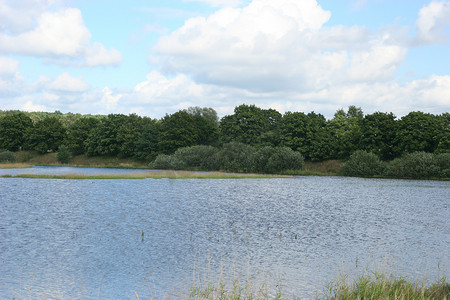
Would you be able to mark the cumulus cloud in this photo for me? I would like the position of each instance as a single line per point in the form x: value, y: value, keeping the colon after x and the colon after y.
x: 59, y: 36
x: 11, y: 81
x: 276, y: 45
x: 432, y: 22
x: 67, y: 83
x: 215, y: 3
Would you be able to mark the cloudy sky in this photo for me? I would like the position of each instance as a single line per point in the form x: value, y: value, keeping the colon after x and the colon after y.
x: 153, y: 57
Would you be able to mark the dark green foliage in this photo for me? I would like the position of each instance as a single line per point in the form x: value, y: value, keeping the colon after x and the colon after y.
x: 250, y: 125
x: 166, y: 162
x: 414, y: 165
x: 345, y: 129
x: 200, y: 157
x: 182, y: 129
x: 64, y: 154
x: 47, y: 135
x: 298, y: 130
x: 146, y: 146
x: 378, y: 134
x: 7, y: 156
x: 13, y: 131
x: 442, y: 161
x: 283, y: 159
x: 235, y: 157
x: 364, y: 164
x: 205, y: 112
x: 117, y: 134
x: 78, y: 133
x: 277, y: 159
x: 418, y: 131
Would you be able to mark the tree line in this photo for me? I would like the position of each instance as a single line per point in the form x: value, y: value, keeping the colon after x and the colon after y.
x: 309, y: 134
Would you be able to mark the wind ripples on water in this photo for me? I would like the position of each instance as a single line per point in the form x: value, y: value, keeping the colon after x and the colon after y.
x: 85, y: 238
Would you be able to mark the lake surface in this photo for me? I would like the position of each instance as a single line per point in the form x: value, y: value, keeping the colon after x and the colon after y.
x: 83, y: 238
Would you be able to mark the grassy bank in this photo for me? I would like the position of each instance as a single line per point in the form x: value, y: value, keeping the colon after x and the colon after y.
x: 27, y: 158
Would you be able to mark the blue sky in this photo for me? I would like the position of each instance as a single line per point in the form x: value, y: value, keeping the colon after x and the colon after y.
x: 155, y: 57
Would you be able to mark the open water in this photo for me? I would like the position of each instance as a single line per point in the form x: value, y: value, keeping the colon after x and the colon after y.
x: 113, y: 239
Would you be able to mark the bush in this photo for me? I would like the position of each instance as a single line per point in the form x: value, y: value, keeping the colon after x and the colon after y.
x: 364, y: 164
x: 7, y: 156
x: 235, y: 157
x: 166, y: 162
x: 443, y: 163
x: 414, y: 165
x: 284, y: 158
x: 64, y: 154
x: 196, y: 157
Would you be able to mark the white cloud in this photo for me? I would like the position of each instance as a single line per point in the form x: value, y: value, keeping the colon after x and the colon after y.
x: 61, y: 37
x: 67, y: 83
x: 216, y: 3
x: 432, y: 22
x: 271, y: 46
x: 11, y: 81
x: 29, y: 106
x: 8, y: 66
x: 98, y: 55
x: 19, y: 15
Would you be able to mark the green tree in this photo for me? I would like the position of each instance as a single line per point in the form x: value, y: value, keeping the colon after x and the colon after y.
x: 78, y: 133
x: 182, y: 129
x: 346, y: 131
x: 128, y: 133
x: 378, y: 134
x: 205, y: 112
x: 47, y: 135
x: 250, y: 125
x: 13, y: 131
x: 147, y: 147
x: 298, y: 131
x: 418, y: 131
x: 102, y: 140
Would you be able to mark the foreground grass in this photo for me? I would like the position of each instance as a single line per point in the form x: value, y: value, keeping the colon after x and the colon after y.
x: 378, y: 286
x: 154, y: 175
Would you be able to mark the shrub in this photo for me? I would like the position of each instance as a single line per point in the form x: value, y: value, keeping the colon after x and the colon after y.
x: 64, y: 154
x: 196, y: 156
x: 166, y: 162
x: 414, y: 165
x: 284, y: 158
x: 442, y: 161
x: 7, y: 156
x: 363, y: 163
x: 235, y: 157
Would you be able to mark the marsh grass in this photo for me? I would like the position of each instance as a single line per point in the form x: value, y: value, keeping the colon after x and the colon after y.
x: 154, y: 175
x: 378, y: 286
x: 381, y: 286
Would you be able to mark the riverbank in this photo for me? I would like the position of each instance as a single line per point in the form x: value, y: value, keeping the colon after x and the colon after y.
x: 30, y: 158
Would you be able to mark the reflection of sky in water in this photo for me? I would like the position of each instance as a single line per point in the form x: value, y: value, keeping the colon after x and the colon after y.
x: 48, y: 170
x: 81, y: 238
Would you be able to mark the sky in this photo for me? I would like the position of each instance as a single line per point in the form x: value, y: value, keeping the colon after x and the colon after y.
x: 153, y: 57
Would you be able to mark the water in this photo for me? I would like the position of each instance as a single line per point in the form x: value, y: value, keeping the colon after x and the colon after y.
x: 46, y: 170
x: 108, y: 239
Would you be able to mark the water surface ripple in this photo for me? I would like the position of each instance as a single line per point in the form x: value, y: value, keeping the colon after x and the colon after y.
x: 110, y: 238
